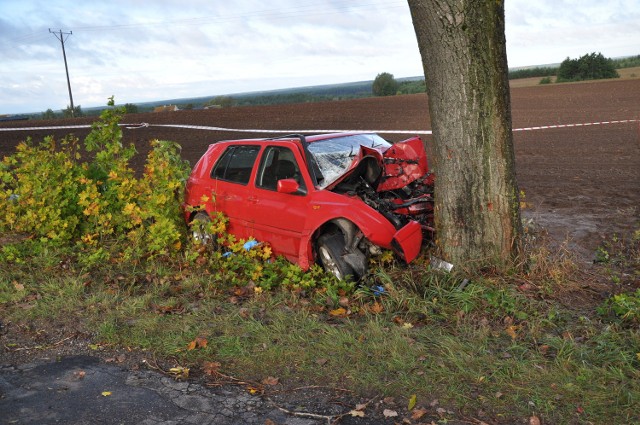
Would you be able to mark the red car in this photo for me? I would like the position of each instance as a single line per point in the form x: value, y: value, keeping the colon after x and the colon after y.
x: 335, y: 199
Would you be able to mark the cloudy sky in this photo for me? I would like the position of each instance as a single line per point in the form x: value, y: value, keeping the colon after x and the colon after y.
x: 144, y: 50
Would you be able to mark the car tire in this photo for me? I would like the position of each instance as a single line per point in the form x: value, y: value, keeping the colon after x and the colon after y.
x: 198, y: 229
x: 330, y: 251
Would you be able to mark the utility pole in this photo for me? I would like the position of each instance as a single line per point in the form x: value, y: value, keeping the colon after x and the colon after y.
x: 61, y: 36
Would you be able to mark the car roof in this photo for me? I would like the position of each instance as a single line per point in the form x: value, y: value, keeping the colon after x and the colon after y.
x: 296, y: 137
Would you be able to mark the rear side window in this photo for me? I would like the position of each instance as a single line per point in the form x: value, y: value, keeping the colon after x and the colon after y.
x: 235, y: 164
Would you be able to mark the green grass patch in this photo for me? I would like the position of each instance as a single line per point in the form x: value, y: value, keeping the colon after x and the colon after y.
x: 485, y: 345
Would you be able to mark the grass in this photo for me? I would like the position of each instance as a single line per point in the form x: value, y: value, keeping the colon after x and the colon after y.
x: 510, y: 346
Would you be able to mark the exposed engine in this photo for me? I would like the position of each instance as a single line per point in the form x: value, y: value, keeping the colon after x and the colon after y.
x: 411, y: 202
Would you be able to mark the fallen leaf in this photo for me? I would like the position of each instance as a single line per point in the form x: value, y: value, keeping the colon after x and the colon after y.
x: 511, y: 331
x: 199, y: 342
x: 388, y: 413
x: 253, y: 390
x: 376, y: 308
x: 407, y: 325
x: 210, y: 368
x: 361, y: 406
x: 270, y: 380
x: 18, y: 286
x: 357, y: 413
x: 180, y: 372
x: 412, y: 402
x: 106, y: 393
x: 338, y: 312
x: 534, y: 420
x: 321, y: 361
x: 80, y: 374
x: 418, y: 413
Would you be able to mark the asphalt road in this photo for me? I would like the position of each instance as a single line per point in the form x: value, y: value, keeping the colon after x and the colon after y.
x: 84, y: 390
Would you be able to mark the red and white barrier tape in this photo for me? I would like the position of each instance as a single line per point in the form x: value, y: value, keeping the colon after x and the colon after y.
x: 250, y: 130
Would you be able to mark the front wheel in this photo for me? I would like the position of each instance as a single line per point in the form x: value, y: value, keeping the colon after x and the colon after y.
x: 331, y: 248
x: 199, y: 229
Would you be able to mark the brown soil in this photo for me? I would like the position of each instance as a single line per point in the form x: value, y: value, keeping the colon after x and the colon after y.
x: 582, y: 183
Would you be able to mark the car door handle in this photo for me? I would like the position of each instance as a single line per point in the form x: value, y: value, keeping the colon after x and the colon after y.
x: 252, y: 199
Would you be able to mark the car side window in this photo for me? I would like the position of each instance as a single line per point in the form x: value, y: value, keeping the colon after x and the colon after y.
x: 277, y: 163
x: 235, y: 164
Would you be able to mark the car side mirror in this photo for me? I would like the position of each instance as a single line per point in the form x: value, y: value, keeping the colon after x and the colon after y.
x: 290, y: 186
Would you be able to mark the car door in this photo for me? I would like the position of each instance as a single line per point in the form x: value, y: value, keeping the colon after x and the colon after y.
x: 279, y: 218
x: 231, y: 176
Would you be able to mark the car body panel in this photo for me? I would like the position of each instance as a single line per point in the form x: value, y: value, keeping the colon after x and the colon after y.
x: 291, y: 214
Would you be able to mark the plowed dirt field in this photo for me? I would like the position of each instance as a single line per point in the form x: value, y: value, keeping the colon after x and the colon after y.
x: 582, y: 183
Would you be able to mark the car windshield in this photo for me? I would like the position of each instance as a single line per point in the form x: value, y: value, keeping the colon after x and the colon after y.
x: 334, y: 156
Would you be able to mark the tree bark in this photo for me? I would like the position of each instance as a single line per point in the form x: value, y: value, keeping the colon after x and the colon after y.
x: 477, y: 208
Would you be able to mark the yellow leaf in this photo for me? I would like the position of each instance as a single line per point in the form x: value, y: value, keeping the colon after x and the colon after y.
x: 412, y: 402
x: 357, y: 413
x: 338, y: 312
x: 106, y: 393
x: 191, y: 346
x: 511, y: 331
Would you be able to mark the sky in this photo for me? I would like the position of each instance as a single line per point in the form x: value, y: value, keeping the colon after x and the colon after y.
x: 150, y: 50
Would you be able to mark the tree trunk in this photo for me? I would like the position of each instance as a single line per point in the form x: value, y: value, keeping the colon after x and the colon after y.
x: 477, y: 209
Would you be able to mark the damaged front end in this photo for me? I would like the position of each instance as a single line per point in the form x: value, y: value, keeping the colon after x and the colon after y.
x: 392, y: 179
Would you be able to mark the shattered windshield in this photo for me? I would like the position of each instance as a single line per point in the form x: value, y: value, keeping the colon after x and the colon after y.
x: 334, y: 156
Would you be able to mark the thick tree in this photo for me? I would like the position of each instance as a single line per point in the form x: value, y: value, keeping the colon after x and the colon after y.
x: 463, y: 50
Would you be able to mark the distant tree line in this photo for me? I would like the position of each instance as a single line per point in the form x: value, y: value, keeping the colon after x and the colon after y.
x: 593, y: 66
x: 386, y: 85
x: 589, y: 66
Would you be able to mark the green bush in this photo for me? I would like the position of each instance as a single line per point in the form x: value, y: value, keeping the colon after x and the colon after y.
x: 48, y: 192
x: 625, y: 307
x: 546, y: 80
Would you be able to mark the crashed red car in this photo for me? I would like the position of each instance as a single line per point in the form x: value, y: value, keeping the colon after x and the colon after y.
x: 334, y: 199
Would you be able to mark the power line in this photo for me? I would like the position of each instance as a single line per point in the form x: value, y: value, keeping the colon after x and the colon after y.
x: 61, y: 36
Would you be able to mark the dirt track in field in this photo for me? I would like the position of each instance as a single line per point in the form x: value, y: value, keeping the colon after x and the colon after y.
x: 582, y: 183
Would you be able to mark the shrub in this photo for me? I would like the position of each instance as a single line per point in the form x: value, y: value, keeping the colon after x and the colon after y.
x: 546, y: 80
x: 624, y: 306
x: 48, y: 192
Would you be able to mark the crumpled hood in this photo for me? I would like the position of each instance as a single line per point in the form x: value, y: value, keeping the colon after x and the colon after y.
x: 399, y: 165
